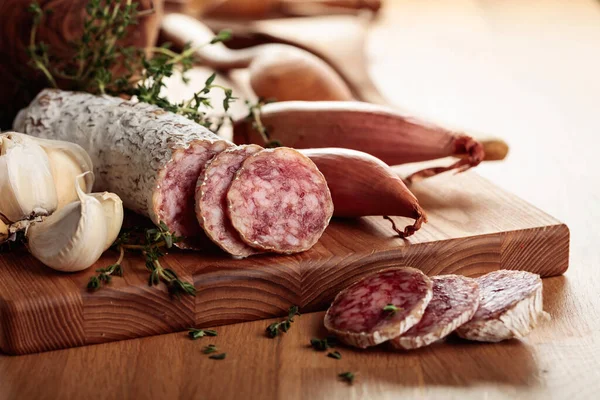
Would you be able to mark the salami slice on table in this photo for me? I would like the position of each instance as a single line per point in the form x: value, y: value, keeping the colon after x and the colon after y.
x: 455, y: 300
x: 510, y: 306
x: 211, y: 199
x: 358, y: 315
x: 149, y: 157
x: 279, y: 201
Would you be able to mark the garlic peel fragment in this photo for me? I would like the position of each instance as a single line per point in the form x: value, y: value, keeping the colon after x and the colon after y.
x: 73, y: 238
x: 26, y: 183
x: 113, y: 213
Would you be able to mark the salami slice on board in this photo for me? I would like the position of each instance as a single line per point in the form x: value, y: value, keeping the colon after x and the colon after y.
x: 510, y: 306
x: 279, y: 201
x: 455, y: 300
x: 211, y: 199
x: 357, y: 316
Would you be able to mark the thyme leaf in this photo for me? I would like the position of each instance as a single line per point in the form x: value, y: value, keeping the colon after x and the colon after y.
x: 347, y: 377
x: 391, y: 310
x: 275, y: 328
x: 211, y: 348
x: 218, y: 356
x: 254, y: 112
x: 198, y: 333
x: 323, y: 344
x: 335, y: 354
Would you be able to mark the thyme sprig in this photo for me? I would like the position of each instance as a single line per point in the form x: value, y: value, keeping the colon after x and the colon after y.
x: 254, y: 115
x: 150, y: 242
x: 194, y: 333
x: 275, y: 328
x: 141, y: 72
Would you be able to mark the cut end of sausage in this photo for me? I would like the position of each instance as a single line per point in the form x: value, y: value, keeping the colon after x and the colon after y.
x: 174, y: 199
x: 211, y: 200
x: 454, y: 302
x: 357, y: 316
x: 510, y: 306
x: 279, y: 201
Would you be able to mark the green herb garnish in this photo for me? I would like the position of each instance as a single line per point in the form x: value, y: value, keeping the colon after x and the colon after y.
x: 283, y: 326
x: 347, y: 377
x: 98, y: 54
x: 211, y: 348
x: 391, y: 310
x: 150, y: 242
x: 335, y: 354
x: 194, y: 333
x: 218, y: 356
x: 323, y: 344
x: 254, y: 112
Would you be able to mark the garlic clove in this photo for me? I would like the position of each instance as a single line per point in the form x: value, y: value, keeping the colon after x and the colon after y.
x: 3, y: 232
x: 67, y: 161
x: 26, y: 183
x: 73, y: 238
x: 113, y: 213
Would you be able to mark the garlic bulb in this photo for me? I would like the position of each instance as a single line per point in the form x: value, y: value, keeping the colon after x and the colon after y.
x: 67, y: 161
x: 26, y: 183
x: 74, y: 237
x: 113, y: 213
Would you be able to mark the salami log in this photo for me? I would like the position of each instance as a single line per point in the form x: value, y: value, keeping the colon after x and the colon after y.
x: 510, y: 306
x: 361, y: 315
x: 279, y: 201
x: 147, y: 156
x: 211, y: 199
x: 455, y: 300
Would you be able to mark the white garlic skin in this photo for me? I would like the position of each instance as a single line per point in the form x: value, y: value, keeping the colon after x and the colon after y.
x: 73, y: 238
x: 67, y: 161
x: 113, y: 213
x: 26, y: 182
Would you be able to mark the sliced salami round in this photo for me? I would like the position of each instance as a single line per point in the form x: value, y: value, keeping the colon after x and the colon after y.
x: 279, y: 201
x: 379, y: 307
x: 211, y: 199
x: 455, y: 300
x: 510, y: 306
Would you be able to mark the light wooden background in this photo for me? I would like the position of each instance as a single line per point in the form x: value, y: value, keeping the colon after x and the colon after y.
x: 526, y: 71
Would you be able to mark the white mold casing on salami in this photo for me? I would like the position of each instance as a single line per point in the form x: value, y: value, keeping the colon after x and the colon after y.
x: 455, y: 300
x: 279, y: 201
x: 357, y: 316
x: 147, y: 156
x: 510, y: 306
x: 211, y: 199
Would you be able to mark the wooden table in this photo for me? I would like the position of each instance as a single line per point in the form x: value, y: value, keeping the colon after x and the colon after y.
x: 525, y: 71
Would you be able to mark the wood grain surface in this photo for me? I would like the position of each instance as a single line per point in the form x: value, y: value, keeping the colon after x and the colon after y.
x: 524, y: 71
x: 473, y: 228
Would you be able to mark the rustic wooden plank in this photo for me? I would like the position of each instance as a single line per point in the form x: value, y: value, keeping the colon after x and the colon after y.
x: 474, y: 227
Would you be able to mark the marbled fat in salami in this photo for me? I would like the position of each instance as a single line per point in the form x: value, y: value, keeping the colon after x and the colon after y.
x: 510, y: 306
x: 455, y: 300
x: 279, y: 201
x: 211, y: 199
x: 357, y: 316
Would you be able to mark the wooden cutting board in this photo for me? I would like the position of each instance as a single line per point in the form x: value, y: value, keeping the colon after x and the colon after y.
x: 474, y: 227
